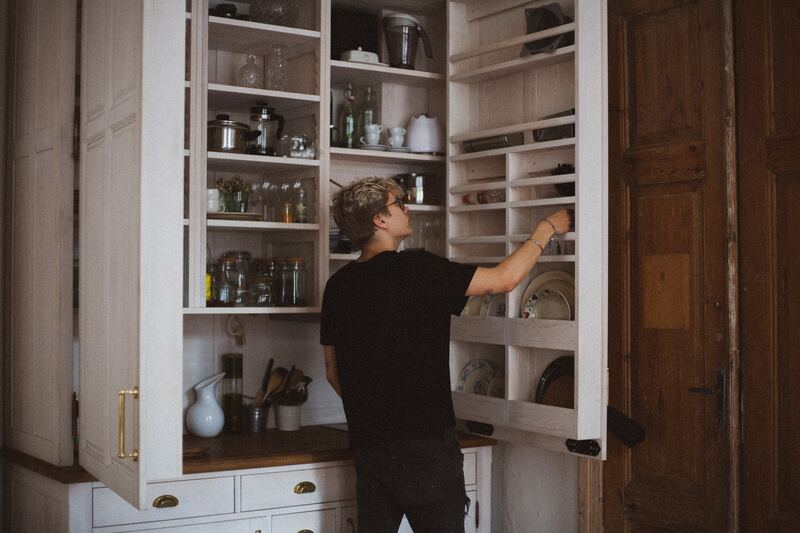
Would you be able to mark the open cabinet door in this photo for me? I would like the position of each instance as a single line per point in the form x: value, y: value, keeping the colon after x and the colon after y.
x: 131, y: 241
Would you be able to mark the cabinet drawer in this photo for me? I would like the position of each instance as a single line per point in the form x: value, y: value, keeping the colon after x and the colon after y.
x: 196, y: 497
x: 298, y: 487
x: 312, y: 521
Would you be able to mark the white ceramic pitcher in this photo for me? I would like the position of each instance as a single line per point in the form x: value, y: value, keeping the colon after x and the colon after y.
x: 205, y: 417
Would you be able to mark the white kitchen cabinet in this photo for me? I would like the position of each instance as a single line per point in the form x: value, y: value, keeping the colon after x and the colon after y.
x: 144, y: 232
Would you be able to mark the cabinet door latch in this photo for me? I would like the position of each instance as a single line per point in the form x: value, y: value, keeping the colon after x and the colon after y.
x: 586, y: 447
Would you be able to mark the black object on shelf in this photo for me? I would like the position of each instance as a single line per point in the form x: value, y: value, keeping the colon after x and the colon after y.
x: 568, y: 188
x: 555, y: 132
x: 543, y: 18
x: 491, y: 143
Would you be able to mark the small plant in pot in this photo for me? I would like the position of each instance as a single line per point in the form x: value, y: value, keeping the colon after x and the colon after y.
x: 235, y: 194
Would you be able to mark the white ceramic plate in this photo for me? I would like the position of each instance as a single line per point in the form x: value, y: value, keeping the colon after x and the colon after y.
x: 495, y: 305
x: 402, y: 149
x: 559, y: 280
x: 549, y: 304
x: 497, y: 386
x: 473, y: 306
x: 475, y: 377
x: 381, y: 147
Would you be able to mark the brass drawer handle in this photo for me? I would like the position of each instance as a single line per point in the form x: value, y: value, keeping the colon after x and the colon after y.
x: 305, y: 487
x: 165, y: 500
x: 305, y: 531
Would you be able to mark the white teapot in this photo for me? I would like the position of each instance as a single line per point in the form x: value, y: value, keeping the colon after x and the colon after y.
x: 425, y: 135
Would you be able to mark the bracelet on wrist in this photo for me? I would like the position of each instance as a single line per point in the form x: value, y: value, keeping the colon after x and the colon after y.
x: 536, y: 242
x: 551, y: 225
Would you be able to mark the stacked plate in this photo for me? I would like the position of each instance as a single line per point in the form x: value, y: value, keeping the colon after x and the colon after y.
x: 487, y: 305
x: 549, y: 296
x: 480, y: 376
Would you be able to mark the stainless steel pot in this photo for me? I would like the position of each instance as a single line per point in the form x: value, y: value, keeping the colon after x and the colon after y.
x: 225, y: 135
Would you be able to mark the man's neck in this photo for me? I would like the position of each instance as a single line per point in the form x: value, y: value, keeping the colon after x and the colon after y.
x: 376, y: 246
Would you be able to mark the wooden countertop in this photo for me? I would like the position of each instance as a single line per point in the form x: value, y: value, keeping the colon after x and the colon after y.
x: 312, y: 444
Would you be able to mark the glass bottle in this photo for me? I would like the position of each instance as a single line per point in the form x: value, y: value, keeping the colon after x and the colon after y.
x: 300, y: 203
x: 347, y: 131
x: 250, y: 75
x: 276, y: 69
x: 232, y: 401
x: 366, y: 113
x: 293, y: 282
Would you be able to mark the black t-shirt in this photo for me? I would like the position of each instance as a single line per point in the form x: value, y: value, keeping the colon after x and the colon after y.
x: 389, y: 321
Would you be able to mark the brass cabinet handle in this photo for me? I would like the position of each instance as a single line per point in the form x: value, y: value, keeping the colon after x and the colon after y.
x: 165, y: 500
x: 305, y: 531
x: 305, y: 487
x: 121, y: 419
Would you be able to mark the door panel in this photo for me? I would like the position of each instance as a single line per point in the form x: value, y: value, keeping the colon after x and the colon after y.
x: 131, y: 241
x: 39, y: 245
x: 668, y: 323
x: 768, y: 117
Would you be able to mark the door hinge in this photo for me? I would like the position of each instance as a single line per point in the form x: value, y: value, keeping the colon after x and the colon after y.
x: 720, y: 393
x: 585, y: 447
x: 477, y: 515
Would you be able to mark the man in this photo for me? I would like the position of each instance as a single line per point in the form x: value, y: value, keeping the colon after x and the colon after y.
x: 386, y: 334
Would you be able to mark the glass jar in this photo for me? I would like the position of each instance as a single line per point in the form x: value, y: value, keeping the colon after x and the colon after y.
x: 276, y: 69
x: 293, y: 282
x: 232, y: 400
x: 227, y: 282
x: 250, y: 75
x: 279, y: 12
x: 242, y: 265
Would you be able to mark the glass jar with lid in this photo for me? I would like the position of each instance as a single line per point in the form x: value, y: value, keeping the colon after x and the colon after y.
x: 226, y: 282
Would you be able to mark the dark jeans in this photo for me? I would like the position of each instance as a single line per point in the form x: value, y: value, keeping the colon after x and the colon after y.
x: 421, y: 478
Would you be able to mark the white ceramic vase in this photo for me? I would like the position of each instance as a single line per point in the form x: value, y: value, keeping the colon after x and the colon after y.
x: 287, y: 417
x: 205, y: 417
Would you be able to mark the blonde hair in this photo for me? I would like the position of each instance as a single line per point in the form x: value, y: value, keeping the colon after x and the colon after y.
x: 354, y: 206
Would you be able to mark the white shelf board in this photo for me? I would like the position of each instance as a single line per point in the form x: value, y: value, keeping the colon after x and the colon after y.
x: 231, y: 97
x: 558, y: 200
x: 542, y: 180
x: 482, y: 186
x: 247, y: 225
x: 365, y: 74
x: 344, y: 257
x: 247, y: 163
x: 532, y: 147
x: 545, y: 419
x: 355, y: 154
x: 513, y: 42
x: 242, y: 36
x: 514, y: 128
x: 505, y: 68
x: 420, y: 208
x: 250, y: 310
x: 556, y: 259
x: 480, y: 239
x: 480, y: 329
x: 545, y: 334
x: 472, y: 406
x: 478, y: 207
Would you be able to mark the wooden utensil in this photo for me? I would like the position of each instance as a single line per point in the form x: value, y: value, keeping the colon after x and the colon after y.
x: 275, y: 382
x: 262, y: 392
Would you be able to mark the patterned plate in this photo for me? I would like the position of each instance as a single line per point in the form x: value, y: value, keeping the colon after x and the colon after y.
x: 475, y: 377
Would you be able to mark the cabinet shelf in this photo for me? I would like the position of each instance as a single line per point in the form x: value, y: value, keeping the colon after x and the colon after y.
x: 243, y: 225
x: 514, y: 128
x: 546, y: 419
x: 542, y: 180
x: 561, y: 55
x: 519, y: 237
x: 355, y: 154
x: 514, y: 41
x: 558, y: 200
x: 250, y: 310
x: 476, y: 260
x: 242, y: 36
x: 532, y: 147
x: 478, y: 207
x: 480, y: 329
x: 370, y: 74
x: 344, y: 257
x: 241, y: 98
x: 545, y: 334
x: 480, y: 239
x: 473, y: 187
x: 246, y: 163
x: 422, y: 208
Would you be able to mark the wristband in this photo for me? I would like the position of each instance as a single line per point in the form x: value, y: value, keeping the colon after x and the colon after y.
x: 537, y: 243
x: 551, y: 225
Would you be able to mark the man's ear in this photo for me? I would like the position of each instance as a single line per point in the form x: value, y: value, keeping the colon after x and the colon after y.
x: 378, y: 222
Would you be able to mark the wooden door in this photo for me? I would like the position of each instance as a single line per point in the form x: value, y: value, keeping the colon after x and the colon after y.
x: 39, y: 245
x: 667, y: 289
x: 131, y: 241
x: 768, y: 129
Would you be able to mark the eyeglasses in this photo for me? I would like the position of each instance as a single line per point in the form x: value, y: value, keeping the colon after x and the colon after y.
x: 400, y: 203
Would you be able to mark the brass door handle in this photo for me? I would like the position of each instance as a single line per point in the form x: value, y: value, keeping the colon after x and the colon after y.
x: 305, y: 531
x: 121, y: 419
x: 305, y: 487
x: 165, y: 500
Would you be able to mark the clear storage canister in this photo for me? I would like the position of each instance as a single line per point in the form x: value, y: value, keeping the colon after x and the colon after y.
x: 293, y: 282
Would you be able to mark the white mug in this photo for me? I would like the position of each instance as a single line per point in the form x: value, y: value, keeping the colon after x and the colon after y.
x: 397, y: 131
x: 214, y: 202
x: 371, y: 139
x: 396, y: 141
x: 373, y: 128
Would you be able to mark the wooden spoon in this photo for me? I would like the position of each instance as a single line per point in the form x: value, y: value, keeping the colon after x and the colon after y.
x: 262, y: 392
x: 275, y: 381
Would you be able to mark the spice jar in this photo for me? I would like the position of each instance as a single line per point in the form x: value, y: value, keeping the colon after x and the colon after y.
x: 232, y: 400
